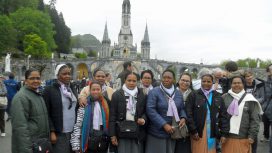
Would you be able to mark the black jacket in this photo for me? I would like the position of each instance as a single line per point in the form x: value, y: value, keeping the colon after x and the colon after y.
x: 118, y: 110
x: 196, y: 109
x: 52, y: 98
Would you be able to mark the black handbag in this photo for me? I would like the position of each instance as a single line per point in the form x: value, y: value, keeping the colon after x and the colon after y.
x: 128, y: 129
x: 98, y: 141
x: 42, y: 145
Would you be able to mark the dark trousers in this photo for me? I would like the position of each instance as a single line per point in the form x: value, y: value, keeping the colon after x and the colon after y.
x: 8, y: 107
x: 254, y: 145
x: 266, y: 123
x: 2, y: 120
x: 183, y: 145
x: 63, y: 143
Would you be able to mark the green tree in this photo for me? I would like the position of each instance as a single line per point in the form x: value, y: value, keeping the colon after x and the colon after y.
x: 92, y: 53
x: 80, y: 55
x: 10, y: 6
x: 28, y: 21
x: 75, y: 42
x: 63, y: 32
x: 7, y: 35
x: 35, y: 46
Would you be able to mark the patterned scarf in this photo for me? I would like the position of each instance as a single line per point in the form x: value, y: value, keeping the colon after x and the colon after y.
x: 88, y: 120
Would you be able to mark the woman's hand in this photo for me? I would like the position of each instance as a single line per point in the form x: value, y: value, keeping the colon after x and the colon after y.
x: 251, y: 141
x: 168, y: 129
x: 82, y: 102
x: 222, y: 140
x: 141, y: 121
x: 53, y: 137
x: 114, y: 141
x: 196, y: 137
x: 181, y: 122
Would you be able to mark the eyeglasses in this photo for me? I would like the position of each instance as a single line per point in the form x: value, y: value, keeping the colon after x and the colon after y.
x: 34, y: 78
x: 186, y: 81
x: 147, y: 78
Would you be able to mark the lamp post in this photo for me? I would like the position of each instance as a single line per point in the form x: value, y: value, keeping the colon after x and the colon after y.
x: 28, y: 57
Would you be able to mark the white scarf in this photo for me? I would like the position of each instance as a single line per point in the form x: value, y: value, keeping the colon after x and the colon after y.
x: 104, y: 88
x: 235, y: 121
x: 97, y: 116
x: 146, y: 89
x: 131, y: 105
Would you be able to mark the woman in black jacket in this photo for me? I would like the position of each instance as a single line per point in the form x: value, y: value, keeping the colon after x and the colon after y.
x: 127, y: 113
x: 61, y: 102
x: 207, y: 117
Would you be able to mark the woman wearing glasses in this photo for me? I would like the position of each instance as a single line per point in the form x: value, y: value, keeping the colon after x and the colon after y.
x: 29, y: 114
x: 147, y: 78
x: 61, y: 102
x: 185, y: 87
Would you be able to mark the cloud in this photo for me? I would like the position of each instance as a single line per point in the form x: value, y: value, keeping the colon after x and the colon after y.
x: 182, y: 30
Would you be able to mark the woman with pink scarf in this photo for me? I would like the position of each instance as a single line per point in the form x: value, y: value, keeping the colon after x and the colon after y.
x: 207, y: 117
x: 244, y: 111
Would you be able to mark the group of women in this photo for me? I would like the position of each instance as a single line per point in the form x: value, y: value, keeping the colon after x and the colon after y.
x: 134, y: 119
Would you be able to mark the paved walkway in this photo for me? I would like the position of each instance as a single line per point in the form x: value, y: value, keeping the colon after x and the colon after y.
x: 5, y: 142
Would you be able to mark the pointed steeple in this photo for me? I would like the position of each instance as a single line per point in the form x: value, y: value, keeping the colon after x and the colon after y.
x: 146, y: 36
x: 106, y: 38
x: 126, y: 6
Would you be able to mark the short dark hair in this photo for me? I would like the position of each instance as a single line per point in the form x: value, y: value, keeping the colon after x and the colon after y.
x: 11, y: 76
x: 171, y: 71
x: 94, y: 82
x: 231, y: 66
x: 127, y: 64
x: 107, y: 74
x: 97, y: 70
x: 133, y: 73
x: 238, y: 76
x: 29, y: 71
x: 147, y: 71
x: 267, y: 68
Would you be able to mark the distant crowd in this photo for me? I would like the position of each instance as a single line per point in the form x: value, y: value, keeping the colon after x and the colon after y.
x: 219, y: 112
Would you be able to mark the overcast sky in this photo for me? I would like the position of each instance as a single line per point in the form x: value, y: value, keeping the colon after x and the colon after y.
x: 182, y: 30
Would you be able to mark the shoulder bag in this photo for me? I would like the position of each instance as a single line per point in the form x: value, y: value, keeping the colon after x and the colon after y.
x: 127, y: 129
x: 42, y: 145
x: 98, y: 141
x: 3, y: 101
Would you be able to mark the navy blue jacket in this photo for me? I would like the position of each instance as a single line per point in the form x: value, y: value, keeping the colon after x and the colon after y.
x: 156, y: 110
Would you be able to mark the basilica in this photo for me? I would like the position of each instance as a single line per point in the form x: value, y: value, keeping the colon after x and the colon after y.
x: 124, y: 48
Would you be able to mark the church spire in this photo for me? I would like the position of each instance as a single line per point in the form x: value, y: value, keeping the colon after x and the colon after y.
x: 126, y: 6
x: 146, y: 36
x: 106, y: 35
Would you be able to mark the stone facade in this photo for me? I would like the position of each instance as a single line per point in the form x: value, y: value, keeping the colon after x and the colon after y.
x: 124, y: 48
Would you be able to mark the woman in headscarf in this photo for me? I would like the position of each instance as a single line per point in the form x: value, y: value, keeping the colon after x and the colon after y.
x: 244, y: 111
x: 164, y: 105
x: 207, y: 117
x: 61, y: 102
x: 92, y: 123
x: 127, y: 113
x: 185, y: 87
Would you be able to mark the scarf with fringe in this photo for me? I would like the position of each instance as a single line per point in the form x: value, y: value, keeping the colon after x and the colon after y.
x: 88, y: 120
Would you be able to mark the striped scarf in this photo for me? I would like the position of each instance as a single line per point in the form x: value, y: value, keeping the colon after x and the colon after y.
x: 88, y: 119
